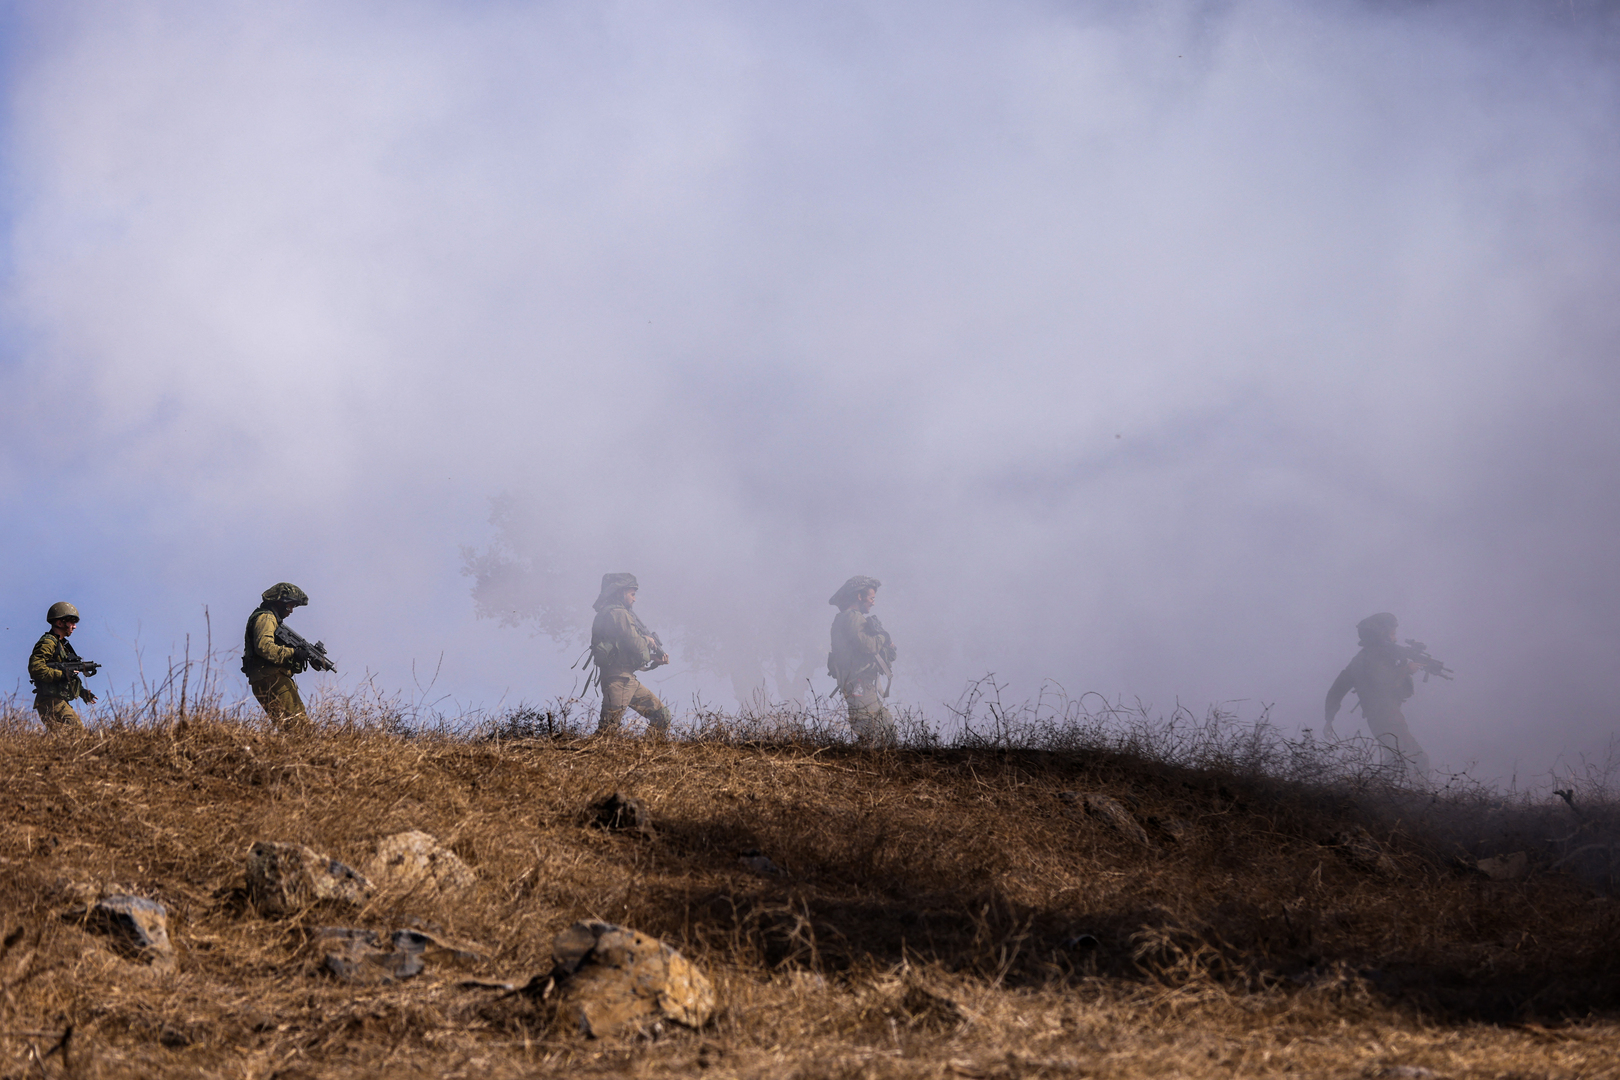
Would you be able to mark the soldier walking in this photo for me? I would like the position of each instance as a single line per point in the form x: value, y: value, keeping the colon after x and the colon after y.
x: 621, y: 645
x: 56, y: 687
x: 862, y: 653
x: 269, y: 665
x: 1381, y: 675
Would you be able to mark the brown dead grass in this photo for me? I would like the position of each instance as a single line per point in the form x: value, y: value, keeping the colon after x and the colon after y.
x: 943, y: 913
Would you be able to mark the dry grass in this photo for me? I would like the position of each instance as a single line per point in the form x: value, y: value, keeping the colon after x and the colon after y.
x: 944, y: 911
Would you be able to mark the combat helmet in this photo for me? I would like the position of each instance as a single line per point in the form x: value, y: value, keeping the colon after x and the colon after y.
x: 62, y: 610
x: 846, y: 593
x: 1374, y: 629
x: 612, y: 586
x: 285, y: 592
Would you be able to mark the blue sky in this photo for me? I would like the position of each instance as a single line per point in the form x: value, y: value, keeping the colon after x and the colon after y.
x: 1145, y: 348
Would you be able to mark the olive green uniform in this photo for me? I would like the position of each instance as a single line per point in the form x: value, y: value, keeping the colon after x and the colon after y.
x: 55, y: 690
x: 1382, y: 683
x: 269, y: 668
x: 860, y: 659
x: 621, y: 645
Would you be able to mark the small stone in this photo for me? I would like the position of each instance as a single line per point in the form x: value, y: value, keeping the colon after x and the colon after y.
x: 1406, y: 1072
x: 284, y: 878
x: 1110, y: 811
x: 415, y: 862
x: 1505, y: 867
x: 433, y: 946
x: 760, y: 863
x: 139, y: 928
x: 616, y: 981
x: 357, y: 956
x: 621, y: 813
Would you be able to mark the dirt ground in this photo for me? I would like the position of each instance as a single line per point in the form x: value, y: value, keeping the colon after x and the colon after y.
x: 943, y: 913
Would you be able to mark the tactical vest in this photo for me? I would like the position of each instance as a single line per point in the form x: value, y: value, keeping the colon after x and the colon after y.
x: 254, y: 665
x: 607, y: 653
x: 1384, y: 682
x: 67, y: 688
x: 844, y: 663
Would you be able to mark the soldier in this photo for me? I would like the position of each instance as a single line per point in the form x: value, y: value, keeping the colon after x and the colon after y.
x: 55, y: 690
x: 1381, y: 676
x: 862, y: 653
x: 270, y: 666
x: 621, y: 645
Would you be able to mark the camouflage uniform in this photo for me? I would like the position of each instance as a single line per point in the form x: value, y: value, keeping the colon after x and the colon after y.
x: 861, y: 654
x: 1379, y: 676
x: 270, y: 666
x: 54, y: 690
x: 621, y: 645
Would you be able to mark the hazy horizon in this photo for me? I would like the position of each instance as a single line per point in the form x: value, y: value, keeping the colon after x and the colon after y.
x: 1143, y: 348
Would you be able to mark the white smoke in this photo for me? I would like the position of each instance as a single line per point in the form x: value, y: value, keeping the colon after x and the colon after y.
x: 1141, y: 347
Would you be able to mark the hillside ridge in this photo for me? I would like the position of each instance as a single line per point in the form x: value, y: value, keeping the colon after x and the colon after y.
x: 1062, y: 884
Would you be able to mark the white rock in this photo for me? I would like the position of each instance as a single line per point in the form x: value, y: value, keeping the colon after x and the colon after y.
x: 417, y: 863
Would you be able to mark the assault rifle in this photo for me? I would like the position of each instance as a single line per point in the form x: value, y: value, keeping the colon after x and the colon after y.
x: 660, y: 655
x: 76, y: 667
x: 1419, y: 652
x: 886, y: 651
x: 313, y: 655
x: 886, y: 647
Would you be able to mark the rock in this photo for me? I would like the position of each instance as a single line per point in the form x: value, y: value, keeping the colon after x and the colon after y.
x: 284, y: 878
x: 1110, y: 811
x: 760, y: 863
x: 358, y: 956
x: 1363, y: 852
x: 139, y: 928
x: 1406, y: 1072
x: 621, y: 813
x: 415, y: 862
x: 612, y: 980
x: 436, y: 948
x: 1505, y: 867
x: 355, y: 955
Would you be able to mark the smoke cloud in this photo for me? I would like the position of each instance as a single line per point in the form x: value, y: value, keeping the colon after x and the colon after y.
x: 1140, y: 347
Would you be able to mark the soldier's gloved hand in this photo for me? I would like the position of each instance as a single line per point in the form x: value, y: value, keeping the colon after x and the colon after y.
x: 87, y: 697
